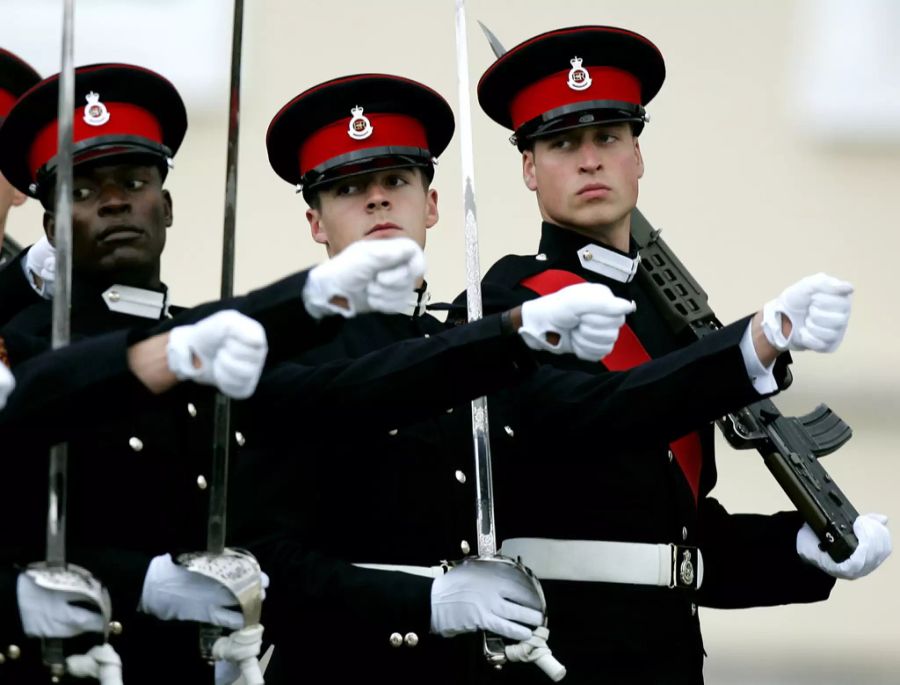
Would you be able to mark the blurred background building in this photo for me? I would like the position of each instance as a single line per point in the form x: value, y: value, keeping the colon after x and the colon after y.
x: 773, y: 152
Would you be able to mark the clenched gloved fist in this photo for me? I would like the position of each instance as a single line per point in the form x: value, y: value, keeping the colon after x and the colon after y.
x: 7, y: 384
x: 582, y: 319
x: 485, y: 595
x: 818, y: 308
x: 874, y: 547
x: 172, y: 593
x: 367, y: 276
x: 227, y: 350
x: 40, y: 268
x: 51, y: 614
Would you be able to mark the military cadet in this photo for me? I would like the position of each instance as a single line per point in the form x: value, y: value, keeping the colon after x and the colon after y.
x: 357, y: 552
x: 575, y: 99
x: 15, y: 78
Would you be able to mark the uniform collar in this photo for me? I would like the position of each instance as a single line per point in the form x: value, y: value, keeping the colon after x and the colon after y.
x: 122, y: 299
x: 569, y: 248
x: 126, y: 299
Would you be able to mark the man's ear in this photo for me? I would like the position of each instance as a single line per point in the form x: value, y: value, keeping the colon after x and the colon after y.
x: 639, y: 158
x: 528, y: 173
x: 168, y: 208
x: 431, y: 208
x: 50, y: 228
x: 18, y: 198
x: 314, y: 217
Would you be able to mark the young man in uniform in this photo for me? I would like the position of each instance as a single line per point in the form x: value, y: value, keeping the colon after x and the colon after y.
x: 15, y: 294
x: 575, y: 101
x: 356, y: 555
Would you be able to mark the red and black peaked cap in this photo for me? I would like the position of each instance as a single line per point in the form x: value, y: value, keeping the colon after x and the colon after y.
x: 120, y: 109
x: 572, y: 77
x: 15, y: 78
x: 354, y: 124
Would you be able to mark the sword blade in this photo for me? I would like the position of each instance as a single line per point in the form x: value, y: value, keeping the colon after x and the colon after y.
x: 494, y: 42
x: 62, y: 299
x: 484, y: 484
x: 218, y: 492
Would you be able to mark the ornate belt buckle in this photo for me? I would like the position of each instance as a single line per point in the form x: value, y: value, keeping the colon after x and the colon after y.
x: 684, y: 567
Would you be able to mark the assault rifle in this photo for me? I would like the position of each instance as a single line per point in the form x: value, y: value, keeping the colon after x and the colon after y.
x: 790, y: 446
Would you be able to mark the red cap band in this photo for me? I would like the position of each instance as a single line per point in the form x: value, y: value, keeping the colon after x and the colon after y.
x: 332, y: 141
x: 607, y: 83
x: 7, y: 100
x: 125, y: 119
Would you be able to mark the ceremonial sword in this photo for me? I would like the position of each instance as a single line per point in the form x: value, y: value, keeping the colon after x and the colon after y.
x: 54, y: 573
x: 494, y: 647
x: 237, y: 570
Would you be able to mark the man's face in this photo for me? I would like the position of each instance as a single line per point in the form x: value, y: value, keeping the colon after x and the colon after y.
x: 585, y: 178
x: 120, y: 215
x: 381, y: 204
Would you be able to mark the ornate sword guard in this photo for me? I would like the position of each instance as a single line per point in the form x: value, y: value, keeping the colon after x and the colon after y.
x: 494, y: 647
x: 78, y: 581
x: 238, y: 571
x: 74, y: 579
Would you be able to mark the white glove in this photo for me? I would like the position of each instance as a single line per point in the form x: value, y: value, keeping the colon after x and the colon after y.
x: 237, y: 654
x: 485, y: 595
x: 48, y: 613
x: 586, y: 317
x: 874, y: 547
x: 818, y: 308
x: 40, y: 261
x: 227, y: 350
x: 7, y: 384
x: 172, y: 593
x: 367, y: 276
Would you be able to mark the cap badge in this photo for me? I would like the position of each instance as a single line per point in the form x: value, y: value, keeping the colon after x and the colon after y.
x: 579, y: 78
x: 360, y: 126
x: 95, y: 112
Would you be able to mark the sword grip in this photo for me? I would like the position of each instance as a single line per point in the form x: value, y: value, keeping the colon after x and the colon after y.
x: 208, y: 636
x: 54, y: 658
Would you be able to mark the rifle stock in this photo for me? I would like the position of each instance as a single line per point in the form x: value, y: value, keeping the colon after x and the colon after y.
x: 789, y: 446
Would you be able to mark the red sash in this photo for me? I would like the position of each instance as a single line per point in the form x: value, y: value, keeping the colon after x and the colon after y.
x: 627, y: 353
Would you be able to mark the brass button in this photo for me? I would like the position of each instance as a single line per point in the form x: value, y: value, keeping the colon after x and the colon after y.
x: 541, y: 257
x: 671, y: 455
x: 393, y: 431
x: 428, y: 335
x: 411, y: 639
x: 587, y: 255
x: 464, y: 546
x: 113, y: 296
x: 192, y: 410
x: 396, y: 639
x: 684, y: 533
x: 240, y: 439
x: 115, y: 627
x: 509, y: 431
x: 13, y: 652
x: 201, y: 482
x: 460, y: 476
x: 136, y: 444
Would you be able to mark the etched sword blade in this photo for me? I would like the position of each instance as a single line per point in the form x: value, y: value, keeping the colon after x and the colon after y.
x: 494, y: 42
x: 218, y: 492
x: 484, y: 487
